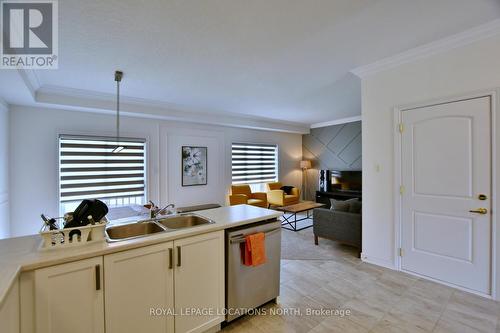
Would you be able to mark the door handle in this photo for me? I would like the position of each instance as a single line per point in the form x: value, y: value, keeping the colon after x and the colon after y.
x: 170, y: 258
x: 178, y: 256
x: 479, y: 211
x: 242, y: 239
x: 97, y: 277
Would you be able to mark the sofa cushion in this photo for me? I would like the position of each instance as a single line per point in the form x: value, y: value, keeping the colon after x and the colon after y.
x: 256, y: 202
x: 355, y: 207
x: 339, y: 205
x: 351, y: 206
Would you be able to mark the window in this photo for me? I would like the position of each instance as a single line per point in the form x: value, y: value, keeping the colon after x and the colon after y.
x: 89, y: 169
x: 254, y: 164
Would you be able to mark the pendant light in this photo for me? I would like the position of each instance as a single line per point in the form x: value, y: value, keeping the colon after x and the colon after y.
x: 118, y: 79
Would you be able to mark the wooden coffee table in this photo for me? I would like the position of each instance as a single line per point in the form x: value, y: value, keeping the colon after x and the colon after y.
x: 293, y: 210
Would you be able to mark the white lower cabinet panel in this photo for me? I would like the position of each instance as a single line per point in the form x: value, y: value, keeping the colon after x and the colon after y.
x: 132, y: 291
x: 199, y: 282
x: 137, y: 282
x: 9, y: 311
x: 69, y: 298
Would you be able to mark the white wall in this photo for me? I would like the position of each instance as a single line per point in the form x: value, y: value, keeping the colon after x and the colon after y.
x: 456, y: 72
x: 34, y: 133
x: 4, y: 171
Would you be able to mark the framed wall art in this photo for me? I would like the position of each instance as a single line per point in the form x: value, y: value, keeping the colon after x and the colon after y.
x: 194, y: 166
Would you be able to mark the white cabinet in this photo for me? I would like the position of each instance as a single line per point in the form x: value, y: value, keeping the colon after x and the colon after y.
x: 69, y: 298
x: 180, y: 276
x: 136, y: 282
x: 199, y: 282
x: 9, y: 311
x: 126, y: 292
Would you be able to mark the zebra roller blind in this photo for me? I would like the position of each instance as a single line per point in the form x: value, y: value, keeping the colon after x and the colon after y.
x: 254, y: 163
x: 89, y: 169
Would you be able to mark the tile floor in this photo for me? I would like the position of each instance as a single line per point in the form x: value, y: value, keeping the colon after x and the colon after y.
x: 380, y: 300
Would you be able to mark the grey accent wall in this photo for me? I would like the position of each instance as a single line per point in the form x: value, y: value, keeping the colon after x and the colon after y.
x: 336, y: 147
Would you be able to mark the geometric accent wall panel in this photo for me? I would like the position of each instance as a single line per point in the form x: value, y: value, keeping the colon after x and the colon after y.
x: 336, y: 147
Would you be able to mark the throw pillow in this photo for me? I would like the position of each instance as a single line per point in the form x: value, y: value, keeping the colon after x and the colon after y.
x: 355, y: 207
x: 287, y: 189
x: 339, y: 205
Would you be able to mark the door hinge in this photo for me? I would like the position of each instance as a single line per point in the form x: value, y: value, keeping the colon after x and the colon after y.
x: 401, y: 127
x: 401, y: 189
x: 401, y: 252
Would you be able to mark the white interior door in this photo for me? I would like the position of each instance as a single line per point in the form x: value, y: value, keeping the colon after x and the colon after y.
x: 446, y: 166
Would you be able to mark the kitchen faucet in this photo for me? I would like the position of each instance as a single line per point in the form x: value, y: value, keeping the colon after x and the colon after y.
x: 155, y: 211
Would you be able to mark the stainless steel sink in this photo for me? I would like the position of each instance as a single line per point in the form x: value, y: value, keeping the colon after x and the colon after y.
x: 132, y: 230
x: 183, y: 221
x: 149, y: 227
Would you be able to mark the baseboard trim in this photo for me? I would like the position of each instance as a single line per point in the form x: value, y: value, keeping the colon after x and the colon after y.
x: 377, y: 261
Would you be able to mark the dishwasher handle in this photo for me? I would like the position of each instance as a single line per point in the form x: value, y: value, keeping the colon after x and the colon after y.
x: 242, y: 239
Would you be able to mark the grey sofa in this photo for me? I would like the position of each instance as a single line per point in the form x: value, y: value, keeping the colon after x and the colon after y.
x: 340, y: 226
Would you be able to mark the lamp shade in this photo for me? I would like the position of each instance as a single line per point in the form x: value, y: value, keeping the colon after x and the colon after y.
x: 305, y: 164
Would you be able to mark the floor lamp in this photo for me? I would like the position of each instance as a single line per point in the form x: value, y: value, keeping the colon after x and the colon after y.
x: 304, y: 165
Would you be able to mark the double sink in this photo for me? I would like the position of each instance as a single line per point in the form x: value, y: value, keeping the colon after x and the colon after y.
x: 154, y: 226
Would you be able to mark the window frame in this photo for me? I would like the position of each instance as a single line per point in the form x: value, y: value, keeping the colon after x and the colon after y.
x: 277, y: 161
x: 104, y: 138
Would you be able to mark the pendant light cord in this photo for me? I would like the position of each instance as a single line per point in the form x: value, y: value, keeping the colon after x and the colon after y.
x: 118, y: 79
x: 117, y: 112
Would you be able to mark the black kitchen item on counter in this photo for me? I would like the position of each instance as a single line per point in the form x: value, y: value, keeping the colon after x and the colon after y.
x: 50, y: 222
x: 88, y: 207
x: 79, y: 214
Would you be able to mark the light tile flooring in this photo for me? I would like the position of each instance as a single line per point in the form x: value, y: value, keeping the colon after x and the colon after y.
x: 380, y: 300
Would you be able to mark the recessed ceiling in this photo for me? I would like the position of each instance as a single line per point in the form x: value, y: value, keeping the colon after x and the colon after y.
x: 280, y: 59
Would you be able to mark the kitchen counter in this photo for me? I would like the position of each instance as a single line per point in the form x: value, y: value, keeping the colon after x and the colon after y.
x: 23, y: 253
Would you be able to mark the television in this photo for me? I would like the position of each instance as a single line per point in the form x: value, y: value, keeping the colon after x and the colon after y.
x: 346, y: 180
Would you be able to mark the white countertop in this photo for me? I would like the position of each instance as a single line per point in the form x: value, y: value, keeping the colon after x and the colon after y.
x: 23, y: 253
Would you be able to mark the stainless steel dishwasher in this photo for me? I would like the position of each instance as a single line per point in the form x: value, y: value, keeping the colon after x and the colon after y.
x: 250, y: 287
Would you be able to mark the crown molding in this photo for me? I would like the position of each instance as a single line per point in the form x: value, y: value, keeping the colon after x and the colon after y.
x: 30, y: 80
x: 96, y: 102
x: 478, y: 33
x: 337, y: 122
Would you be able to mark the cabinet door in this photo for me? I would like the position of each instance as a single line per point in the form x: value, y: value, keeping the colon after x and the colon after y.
x: 9, y: 311
x: 69, y: 298
x: 199, y: 282
x: 139, y: 290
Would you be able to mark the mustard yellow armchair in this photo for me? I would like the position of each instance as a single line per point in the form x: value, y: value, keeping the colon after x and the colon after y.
x: 277, y: 197
x: 242, y: 194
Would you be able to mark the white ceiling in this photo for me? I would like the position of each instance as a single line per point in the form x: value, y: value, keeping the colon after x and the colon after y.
x: 280, y: 59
